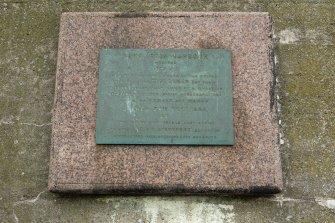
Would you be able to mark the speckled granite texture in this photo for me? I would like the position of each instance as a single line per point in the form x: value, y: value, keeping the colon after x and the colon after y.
x: 78, y: 165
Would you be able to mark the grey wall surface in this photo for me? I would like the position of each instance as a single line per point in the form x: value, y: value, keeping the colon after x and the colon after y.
x: 305, y: 58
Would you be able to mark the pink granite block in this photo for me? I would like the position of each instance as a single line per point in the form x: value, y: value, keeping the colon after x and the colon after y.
x: 251, y: 166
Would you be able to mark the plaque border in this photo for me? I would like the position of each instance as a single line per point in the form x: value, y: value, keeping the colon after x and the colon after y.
x: 227, y: 100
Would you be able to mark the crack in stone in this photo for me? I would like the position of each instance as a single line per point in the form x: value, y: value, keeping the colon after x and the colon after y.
x: 15, y: 217
x: 34, y: 124
x: 29, y: 201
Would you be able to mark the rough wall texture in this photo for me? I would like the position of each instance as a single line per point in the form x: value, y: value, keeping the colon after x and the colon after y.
x: 305, y: 56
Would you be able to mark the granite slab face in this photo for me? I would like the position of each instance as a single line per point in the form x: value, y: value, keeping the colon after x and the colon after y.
x: 165, y: 97
x: 79, y: 165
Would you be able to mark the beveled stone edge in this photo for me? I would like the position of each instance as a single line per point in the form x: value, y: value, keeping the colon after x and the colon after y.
x: 162, y: 14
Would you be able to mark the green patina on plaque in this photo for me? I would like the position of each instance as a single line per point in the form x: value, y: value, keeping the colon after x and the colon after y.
x: 165, y: 96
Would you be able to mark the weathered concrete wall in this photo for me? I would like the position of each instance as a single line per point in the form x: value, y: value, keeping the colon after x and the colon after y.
x: 305, y: 55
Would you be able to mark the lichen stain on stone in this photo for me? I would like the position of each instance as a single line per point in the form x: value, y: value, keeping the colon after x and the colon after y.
x: 326, y: 202
x: 289, y: 36
x: 316, y: 36
x: 182, y: 212
x: 313, y: 36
